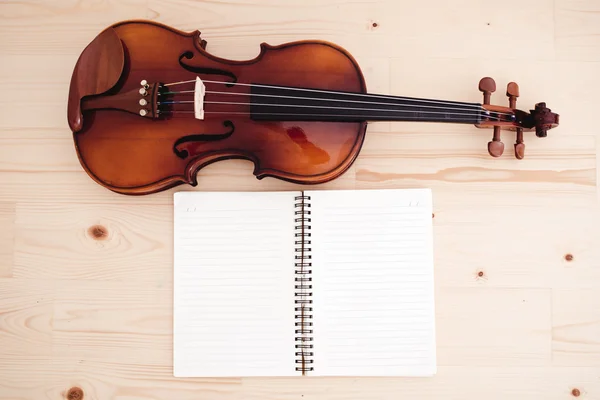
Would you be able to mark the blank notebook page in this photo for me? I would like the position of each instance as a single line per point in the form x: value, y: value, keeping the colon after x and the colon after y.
x: 233, y: 284
x: 373, y: 283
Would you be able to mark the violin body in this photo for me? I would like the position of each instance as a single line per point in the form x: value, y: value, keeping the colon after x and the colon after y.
x: 133, y: 155
x: 149, y: 107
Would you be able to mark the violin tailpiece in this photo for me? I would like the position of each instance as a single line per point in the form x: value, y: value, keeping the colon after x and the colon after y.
x: 142, y: 101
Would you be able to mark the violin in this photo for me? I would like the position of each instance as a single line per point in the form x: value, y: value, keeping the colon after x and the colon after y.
x: 149, y: 107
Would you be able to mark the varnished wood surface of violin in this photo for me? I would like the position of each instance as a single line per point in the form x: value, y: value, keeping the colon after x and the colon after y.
x: 149, y: 106
x: 134, y: 154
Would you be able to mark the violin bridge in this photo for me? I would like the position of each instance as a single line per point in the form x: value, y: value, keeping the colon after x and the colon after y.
x: 199, y: 91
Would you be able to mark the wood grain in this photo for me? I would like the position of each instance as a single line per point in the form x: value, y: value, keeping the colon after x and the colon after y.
x: 577, y: 30
x: 96, y: 242
x: 551, y: 248
x: 576, y: 335
x: 86, y: 275
x: 493, y: 326
x: 7, y: 238
x: 457, y: 166
x: 456, y: 382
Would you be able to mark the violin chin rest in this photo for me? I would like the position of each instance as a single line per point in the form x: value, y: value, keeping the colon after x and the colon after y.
x: 98, y: 69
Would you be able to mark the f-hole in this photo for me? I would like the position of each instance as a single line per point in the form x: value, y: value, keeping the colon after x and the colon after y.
x: 211, y: 137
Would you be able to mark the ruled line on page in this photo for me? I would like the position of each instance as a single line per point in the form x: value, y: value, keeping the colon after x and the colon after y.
x: 373, y: 289
x: 234, y: 284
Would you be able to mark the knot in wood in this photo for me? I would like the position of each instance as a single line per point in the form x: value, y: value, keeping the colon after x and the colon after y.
x: 75, y: 393
x: 98, y: 232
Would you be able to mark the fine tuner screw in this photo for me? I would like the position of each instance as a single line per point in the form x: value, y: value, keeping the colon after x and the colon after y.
x: 143, y: 92
x: 495, y: 147
x: 145, y: 86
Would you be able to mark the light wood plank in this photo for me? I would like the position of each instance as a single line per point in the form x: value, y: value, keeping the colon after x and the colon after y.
x: 459, y: 170
x: 60, y: 27
x: 577, y: 27
x: 27, y: 377
x: 42, y: 95
x: 493, y: 326
x: 33, y: 378
x: 399, y: 31
x: 577, y: 103
x: 100, y: 380
x: 576, y: 327
x: 515, y: 382
x: 26, y: 317
x: 47, y: 155
x: 7, y: 238
x: 527, y: 246
x: 130, y: 319
x: 99, y: 242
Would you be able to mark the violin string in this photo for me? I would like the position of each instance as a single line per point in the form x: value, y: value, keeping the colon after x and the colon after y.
x: 463, y: 118
x: 466, y: 119
x: 363, y: 95
x: 326, y: 99
x: 445, y: 112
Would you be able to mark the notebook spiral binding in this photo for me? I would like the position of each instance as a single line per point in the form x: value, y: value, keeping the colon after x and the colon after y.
x: 303, y: 285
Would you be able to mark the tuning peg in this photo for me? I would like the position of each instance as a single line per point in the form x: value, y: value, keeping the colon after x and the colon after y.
x: 496, y: 147
x: 519, y: 146
x: 488, y: 86
x: 512, y: 91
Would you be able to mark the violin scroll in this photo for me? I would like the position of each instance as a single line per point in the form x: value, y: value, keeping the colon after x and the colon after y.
x: 544, y: 119
x: 540, y: 119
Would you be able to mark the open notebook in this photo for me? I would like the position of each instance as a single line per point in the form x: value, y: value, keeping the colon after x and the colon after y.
x: 318, y: 283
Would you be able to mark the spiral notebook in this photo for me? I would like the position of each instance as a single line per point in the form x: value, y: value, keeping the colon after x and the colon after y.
x: 307, y: 283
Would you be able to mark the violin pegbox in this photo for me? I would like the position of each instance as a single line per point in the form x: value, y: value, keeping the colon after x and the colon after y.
x: 540, y: 119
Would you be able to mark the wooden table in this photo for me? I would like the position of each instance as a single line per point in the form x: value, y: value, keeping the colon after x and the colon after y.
x: 86, y: 274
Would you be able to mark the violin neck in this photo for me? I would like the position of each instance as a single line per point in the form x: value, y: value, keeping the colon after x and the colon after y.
x: 272, y: 103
